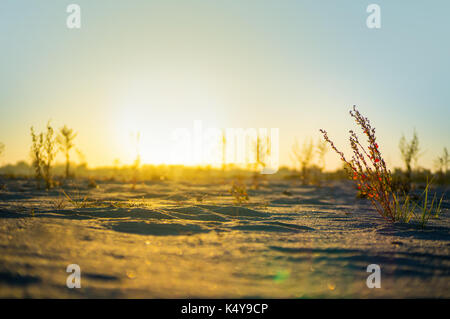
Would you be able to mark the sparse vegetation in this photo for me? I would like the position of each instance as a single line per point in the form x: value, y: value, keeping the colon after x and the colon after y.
x: 368, y: 168
x: 322, y: 150
x: 224, y: 150
x: 239, y: 191
x: 92, y: 183
x: 262, y: 150
x: 78, y: 201
x: 43, y: 152
x: 409, y: 151
x: 441, y: 164
x: 2, y: 149
x: 49, y: 155
x: 36, y: 154
x: 428, y: 210
x: 59, y: 203
x: 137, y: 162
x: 303, y: 156
x: 65, y: 140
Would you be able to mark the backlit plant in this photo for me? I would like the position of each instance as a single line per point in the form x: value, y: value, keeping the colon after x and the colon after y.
x: 49, y: 152
x: 239, y: 192
x: 368, y: 168
x: 37, y: 156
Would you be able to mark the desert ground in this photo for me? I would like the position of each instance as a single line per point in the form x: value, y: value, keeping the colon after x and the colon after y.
x: 167, y: 239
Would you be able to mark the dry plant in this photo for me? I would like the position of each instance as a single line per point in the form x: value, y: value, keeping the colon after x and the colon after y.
x: 368, y: 168
x: 92, y: 183
x: 224, y: 150
x: 36, y: 155
x: 59, y: 203
x: 65, y: 140
x: 81, y: 157
x: 441, y: 163
x: 303, y: 156
x: 2, y: 149
x: 49, y: 155
x: 262, y: 150
x: 322, y: 150
x: 239, y: 191
x: 78, y: 201
x: 137, y: 162
x: 200, y: 197
x: 43, y: 152
x: 409, y: 151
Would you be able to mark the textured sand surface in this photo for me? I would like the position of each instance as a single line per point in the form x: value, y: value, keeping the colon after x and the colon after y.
x: 168, y: 239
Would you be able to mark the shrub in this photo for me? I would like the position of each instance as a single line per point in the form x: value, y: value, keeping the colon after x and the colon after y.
x: 322, y: 150
x: 303, y: 156
x: 374, y: 180
x: 410, y: 153
x: 2, y: 149
x: 49, y: 155
x: 239, y: 192
x: 369, y: 168
x: 441, y: 164
x: 36, y: 155
x: 65, y: 140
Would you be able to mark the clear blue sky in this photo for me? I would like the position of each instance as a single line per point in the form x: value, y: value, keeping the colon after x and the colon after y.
x: 157, y: 65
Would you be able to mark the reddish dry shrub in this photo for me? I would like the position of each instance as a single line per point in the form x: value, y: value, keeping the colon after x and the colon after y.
x: 368, y: 168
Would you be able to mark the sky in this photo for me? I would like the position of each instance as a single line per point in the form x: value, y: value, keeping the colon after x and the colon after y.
x: 155, y: 66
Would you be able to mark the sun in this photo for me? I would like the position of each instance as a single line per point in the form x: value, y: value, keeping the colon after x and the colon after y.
x: 153, y: 109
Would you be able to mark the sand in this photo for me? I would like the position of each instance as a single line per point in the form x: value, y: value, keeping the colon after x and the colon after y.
x: 170, y: 239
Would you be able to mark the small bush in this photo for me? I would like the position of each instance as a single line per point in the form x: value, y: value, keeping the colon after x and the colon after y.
x: 36, y: 155
x: 239, y: 191
x: 92, y: 183
x: 65, y: 141
x: 374, y: 181
x: 304, y: 156
x: 43, y: 152
x: 410, y: 153
x: 49, y: 155
x: 442, y: 163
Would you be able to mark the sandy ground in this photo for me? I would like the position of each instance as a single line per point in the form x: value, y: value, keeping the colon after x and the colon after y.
x: 178, y: 240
